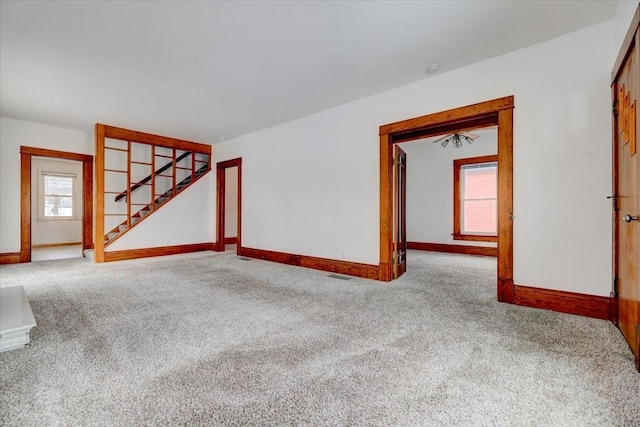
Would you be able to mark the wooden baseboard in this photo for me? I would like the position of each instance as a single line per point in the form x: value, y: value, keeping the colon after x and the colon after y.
x: 454, y: 249
x: 10, y: 258
x: 230, y: 240
x: 564, y: 302
x: 159, y: 251
x: 54, y: 245
x: 335, y: 266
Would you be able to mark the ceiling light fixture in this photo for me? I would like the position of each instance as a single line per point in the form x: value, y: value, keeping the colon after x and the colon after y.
x: 456, y: 139
x: 433, y: 69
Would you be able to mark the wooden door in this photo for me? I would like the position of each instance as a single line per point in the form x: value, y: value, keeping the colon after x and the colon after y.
x: 626, y: 93
x: 400, y: 197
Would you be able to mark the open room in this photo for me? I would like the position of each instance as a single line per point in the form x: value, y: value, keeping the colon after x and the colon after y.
x: 319, y: 213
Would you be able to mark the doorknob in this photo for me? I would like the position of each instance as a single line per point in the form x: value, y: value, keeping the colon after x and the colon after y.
x: 629, y: 218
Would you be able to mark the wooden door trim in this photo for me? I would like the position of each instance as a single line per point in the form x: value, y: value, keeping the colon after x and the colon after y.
x: 221, y: 167
x: 448, y: 117
x: 26, y: 154
x: 494, y: 112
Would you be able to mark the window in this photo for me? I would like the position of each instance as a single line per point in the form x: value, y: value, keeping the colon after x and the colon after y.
x: 56, y: 195
x: 476, y: 199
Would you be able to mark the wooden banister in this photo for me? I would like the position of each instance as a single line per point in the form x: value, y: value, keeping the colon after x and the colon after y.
x: 147, y: 179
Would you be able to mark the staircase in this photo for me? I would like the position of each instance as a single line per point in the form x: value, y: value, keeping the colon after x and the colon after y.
x: 138, y: 173
x: 163, y: 198
x: 152, y: 176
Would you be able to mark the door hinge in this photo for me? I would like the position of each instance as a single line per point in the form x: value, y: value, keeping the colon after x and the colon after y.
x: 614, y: 202
x: 614, y: 108
x: 615, y: 286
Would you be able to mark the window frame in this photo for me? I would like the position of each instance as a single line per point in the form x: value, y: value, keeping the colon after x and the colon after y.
x: 457, y: 199
x: 42, y: 194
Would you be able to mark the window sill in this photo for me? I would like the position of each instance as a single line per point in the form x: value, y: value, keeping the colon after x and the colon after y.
x: 475, y: 237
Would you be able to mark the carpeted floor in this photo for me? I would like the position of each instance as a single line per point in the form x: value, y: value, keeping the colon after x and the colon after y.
x: 211, y: 339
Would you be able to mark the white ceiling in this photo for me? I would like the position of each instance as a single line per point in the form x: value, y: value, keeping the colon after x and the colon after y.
x: 203, y: 70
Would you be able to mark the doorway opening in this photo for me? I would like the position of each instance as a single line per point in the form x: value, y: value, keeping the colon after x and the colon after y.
x: 452, y: 194
x: 40, y: 166
x: 498, y: 112
x: 228, y: 203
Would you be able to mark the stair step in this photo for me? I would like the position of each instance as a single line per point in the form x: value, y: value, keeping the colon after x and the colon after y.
x: 122, y: 227
x: 111, y: 235
x: 144, y: 212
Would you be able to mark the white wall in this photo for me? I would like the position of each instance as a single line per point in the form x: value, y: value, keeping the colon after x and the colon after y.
x: 51, y: 231
x: 430, y: 187
x: 621, y: 21
x: 13, y: 134
x: 231, y: 202
x: 311, y: 186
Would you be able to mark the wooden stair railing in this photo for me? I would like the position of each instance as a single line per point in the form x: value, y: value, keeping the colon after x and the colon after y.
x: 134, y: 219
x: 130, y: 157
x: 148, y: 177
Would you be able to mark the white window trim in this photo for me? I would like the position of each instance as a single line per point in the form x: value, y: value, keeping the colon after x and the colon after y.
x: 41, y: 195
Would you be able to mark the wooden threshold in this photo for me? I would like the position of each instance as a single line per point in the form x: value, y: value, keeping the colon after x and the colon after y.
x: 158, y: 251
x: 564, y: 302
x: 366, y: 271
x: 454, y: 249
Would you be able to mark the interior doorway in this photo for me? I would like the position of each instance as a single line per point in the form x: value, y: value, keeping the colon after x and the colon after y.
x: 56, y: 214
x: 498, y: 112
x: 452, y: 192
x: 229, y: 204
x: 28, y: 208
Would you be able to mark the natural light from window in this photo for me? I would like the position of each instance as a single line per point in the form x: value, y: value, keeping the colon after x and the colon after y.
x: 57, y: 195
x: 479, y: 199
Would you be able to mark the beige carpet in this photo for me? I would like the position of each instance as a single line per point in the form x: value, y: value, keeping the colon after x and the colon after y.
x: 56, y: 252
x: 211, y: 339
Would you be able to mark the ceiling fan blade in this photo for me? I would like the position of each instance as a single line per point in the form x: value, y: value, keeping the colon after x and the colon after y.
x: 442, y: 138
